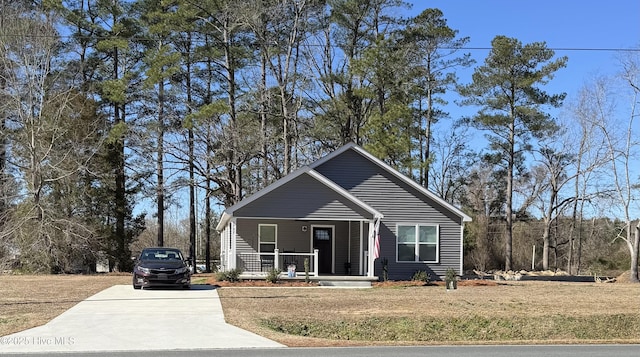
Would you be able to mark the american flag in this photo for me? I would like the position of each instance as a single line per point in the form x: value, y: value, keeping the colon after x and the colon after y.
x: 376, y: 232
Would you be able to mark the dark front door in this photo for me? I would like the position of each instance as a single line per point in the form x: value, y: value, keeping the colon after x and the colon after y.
x: 322, y: 241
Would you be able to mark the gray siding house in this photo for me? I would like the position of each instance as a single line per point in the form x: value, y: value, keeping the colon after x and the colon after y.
x: 327, y: 217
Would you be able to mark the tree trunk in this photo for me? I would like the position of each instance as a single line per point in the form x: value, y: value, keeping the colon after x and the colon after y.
x: 121, y: 255
x: 548, y: 220
x: 263, y: 118
x: 160, y: 165
x: 207, y: 218
x: 286, y: 136
x: 508, y: 245
x: 429, y: 121
x: 233, y: 166
x: 191, y: 153
x: 545, y: 245
x: 3, y: 148
x: 634, y: 250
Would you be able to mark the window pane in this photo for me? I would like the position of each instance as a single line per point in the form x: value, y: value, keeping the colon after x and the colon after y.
x: 406, y: 234
x: 428, y: 252
x: 428, y: 234
x: 322, y: 233
x: 267, y: 248
x: 267, y: 234
x: 406, y: 252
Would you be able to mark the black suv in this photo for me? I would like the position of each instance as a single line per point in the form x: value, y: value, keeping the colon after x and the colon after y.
x: 161, y: 267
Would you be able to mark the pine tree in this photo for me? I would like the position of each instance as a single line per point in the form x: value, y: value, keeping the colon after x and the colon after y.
x: 507, y: 90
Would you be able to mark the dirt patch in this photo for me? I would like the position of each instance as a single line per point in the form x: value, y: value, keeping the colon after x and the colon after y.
x: 260, y: 283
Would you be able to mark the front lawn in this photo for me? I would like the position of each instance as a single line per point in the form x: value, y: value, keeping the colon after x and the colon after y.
x: 28, y: 301
x: 515, y: 312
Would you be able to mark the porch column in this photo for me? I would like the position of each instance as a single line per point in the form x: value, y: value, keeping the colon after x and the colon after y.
x: 315, y: 262
x: 232, y: 251
x: 371, y: 246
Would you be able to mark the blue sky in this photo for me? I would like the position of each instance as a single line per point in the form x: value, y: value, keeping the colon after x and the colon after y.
x: 582, y: 30
x: 574, y: 24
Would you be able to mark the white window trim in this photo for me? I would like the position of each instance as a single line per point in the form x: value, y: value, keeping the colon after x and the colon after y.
x: 260, y: 225
x: 417, y: 227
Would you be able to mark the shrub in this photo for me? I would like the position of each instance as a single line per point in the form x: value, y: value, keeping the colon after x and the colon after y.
x: 451, y: 279
x: 385, y: 269
x: 232, y: 275
x: 450, y: 275
x: 421, y: 275
x: 273, y: 275
x: 306, y: 270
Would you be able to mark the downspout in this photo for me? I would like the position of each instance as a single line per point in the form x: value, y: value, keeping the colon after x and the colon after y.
x: 361, y: 250
x: 461, y: 247
x: 349, y: 249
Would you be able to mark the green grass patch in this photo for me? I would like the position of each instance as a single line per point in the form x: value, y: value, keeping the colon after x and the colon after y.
x: 459, y: 329
x: 197, y: 281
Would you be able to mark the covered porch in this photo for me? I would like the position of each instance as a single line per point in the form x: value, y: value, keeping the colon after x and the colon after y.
x: 297, y: 247
x: 301, y: 217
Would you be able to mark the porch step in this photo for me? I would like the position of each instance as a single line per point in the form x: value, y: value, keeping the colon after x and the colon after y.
x: 345, y: 283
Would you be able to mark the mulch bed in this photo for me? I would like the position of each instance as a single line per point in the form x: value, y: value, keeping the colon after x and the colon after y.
x: 382, y: 284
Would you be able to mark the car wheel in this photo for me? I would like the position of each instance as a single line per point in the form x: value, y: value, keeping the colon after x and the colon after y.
x: 137, y: 287
x: 186, y: 287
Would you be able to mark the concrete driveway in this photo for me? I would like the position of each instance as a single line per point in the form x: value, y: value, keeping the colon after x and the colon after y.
x: 123, y: 319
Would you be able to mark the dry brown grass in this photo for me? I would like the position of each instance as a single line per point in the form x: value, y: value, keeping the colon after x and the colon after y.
x: 28, y: 301
x: 249, y: 308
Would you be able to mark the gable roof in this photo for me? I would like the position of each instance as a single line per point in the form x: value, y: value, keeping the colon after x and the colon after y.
x: 394, y: 172
x: 228, y: 213
x: 310, y: 170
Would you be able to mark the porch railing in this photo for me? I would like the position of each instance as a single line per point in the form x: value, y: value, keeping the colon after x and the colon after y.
x: 255, y: 263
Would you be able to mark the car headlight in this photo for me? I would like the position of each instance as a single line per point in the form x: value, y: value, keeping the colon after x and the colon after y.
x: 182, y: 270
x: 143, y: 270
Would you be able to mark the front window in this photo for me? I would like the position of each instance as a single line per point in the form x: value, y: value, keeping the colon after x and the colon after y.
x: 267, y: 237
x: 417, y: 243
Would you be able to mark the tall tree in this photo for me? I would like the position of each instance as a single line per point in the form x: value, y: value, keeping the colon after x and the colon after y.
x: 103, y: 35
x: 160, y: 102
x: 619, y: 129
x: 434, y: 52
x: 507, y: 88
x: 592, y: 107
x: 6, y: 12
x: 449, y: 174
x: 350, y: 29
x: 54, y: 139
x: 221, y: 27
x: 553, y: 169
x: 630, y: 74
x: 281, y: 45
x: 387, y: 132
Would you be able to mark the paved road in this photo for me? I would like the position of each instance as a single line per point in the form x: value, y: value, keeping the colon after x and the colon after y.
x: 123, y: 319
x: 430, y: 351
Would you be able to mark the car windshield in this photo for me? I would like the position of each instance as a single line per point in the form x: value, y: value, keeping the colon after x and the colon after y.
x: 161, y: 254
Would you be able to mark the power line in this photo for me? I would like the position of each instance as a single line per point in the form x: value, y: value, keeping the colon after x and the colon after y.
x: 585, y: 49
x: 202, y: 41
